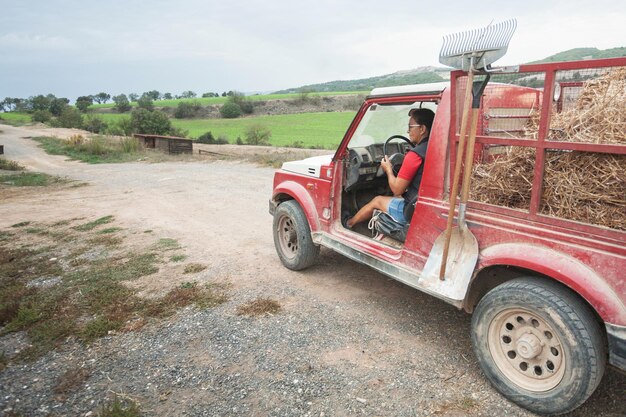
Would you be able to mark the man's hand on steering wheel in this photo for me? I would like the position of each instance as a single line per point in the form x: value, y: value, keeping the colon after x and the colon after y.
x: 386, y: 165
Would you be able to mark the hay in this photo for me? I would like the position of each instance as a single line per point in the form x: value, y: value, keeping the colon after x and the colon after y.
x: 581, y: 186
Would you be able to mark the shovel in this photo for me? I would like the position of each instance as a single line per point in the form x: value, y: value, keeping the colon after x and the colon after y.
x: 455, y: 252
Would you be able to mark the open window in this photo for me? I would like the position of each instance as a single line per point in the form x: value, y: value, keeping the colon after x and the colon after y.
x: 381, y: 130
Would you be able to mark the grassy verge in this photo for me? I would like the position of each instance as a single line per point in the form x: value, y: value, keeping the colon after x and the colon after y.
x: 31, y: 179
x: 94, y: 151
x: 67, y: 280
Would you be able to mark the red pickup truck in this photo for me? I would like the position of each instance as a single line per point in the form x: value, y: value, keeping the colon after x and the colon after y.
x: 547, y: 290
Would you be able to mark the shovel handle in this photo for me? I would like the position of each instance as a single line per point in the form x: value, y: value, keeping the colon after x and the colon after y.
x: 476, y: 91
x: 469, y: 158
x: 457, y: 172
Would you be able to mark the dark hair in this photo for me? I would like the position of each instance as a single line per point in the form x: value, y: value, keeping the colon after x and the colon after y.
x: 423, y: 117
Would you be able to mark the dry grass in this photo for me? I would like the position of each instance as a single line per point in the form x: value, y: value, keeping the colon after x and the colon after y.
x: 259, y: 307
x: 582, y: 186
x: 78, y: 286
x: 8, y: 165
x: 194, y: 268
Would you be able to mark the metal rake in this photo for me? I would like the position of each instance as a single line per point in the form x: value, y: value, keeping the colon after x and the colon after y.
x: 476, y: 49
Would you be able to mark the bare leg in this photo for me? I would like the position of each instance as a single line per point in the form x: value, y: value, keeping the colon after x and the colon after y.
x: 380, y: 202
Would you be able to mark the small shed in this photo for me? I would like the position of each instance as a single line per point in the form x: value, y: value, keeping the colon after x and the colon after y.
x: 169, y: 144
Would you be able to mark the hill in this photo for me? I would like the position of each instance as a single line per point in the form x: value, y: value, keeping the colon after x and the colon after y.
x: 435, y: 74
x: 419, y: 75
x: 583, y: 53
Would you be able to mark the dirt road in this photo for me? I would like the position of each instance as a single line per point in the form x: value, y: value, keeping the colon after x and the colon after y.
x: 348, y: 342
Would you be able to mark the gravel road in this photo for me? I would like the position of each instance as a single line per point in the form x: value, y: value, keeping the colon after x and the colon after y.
x: 348, y: 342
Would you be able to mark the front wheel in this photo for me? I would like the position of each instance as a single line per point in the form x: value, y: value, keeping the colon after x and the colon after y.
x: 539, y: 345
x: 292, y: 237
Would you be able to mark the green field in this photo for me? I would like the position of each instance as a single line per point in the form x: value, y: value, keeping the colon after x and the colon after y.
x: 320, y: 130
x: 14, y: 118
x: 221, y: 100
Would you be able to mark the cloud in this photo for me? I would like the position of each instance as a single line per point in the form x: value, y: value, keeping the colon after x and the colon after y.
x: 261, y: 45
x: 35, y: 43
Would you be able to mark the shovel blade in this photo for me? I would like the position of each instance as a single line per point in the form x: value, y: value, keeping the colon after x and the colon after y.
x: 462, y: 258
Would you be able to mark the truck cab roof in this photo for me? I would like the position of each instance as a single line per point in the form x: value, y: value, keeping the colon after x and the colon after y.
x: 413, y: 89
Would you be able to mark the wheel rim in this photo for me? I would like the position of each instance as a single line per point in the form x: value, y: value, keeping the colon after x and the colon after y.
x: 526, y: 350
x: 288, y: 237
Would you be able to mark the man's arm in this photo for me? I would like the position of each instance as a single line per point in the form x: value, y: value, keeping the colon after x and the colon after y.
x: 399, y: 184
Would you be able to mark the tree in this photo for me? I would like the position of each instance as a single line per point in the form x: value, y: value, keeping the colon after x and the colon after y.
x: 133, y: 96
x: 83, y: 103
x: 188, y: 94
x: 154, y: 95
x: 244, y: 104
x: 230, y: 110
x: 122, y: 104
x: 41, y: 116
x: 102, y: 98
x: 57, y: 105
x: 186, y: 110
x: 70, y: 118
x: 95, y: 124
x: 21, y: 104
x: 9, y: 103
x: 152, y: 122
x: 39, y: 102
x: 145, y: 102
x: 167, y: 96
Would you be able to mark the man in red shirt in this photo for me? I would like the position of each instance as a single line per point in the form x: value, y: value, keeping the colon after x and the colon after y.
x: 405, y: 186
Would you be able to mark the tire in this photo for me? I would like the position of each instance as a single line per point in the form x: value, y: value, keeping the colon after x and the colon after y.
x: 292, y: 237
x: 539, y: 345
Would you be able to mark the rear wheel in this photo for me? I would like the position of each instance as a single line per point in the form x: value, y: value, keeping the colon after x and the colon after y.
x: 292, y: 237
x: 539, y: 345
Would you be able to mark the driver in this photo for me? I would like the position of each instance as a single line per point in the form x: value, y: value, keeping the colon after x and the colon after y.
x: 406, y: 185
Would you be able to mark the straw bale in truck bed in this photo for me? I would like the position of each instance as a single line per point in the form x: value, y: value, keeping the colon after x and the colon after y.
x: 583, y: 186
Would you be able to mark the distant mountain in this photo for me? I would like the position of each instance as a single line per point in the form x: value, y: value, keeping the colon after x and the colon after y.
x: 583, y: 53
x: 435, y: 74
x: 419, y: 75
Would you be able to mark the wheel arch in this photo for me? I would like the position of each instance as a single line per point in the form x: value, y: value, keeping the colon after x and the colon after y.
x: 505, y: 262
x: 291, y: 190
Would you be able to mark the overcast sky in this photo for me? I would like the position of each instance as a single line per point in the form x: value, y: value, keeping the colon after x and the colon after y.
x: 71, y: 47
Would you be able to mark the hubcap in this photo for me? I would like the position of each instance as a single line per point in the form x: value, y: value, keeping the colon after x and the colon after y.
x: 528, y: 346
x: 526, y: 350
x: 288, y: 237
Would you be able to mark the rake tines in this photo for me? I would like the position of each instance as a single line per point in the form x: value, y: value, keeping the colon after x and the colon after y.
x: 477, y: 48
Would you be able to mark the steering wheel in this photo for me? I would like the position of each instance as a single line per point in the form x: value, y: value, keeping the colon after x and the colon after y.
x: 397, y: 158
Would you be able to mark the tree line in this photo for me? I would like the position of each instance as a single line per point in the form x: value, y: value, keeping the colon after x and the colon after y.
x: 144, y: 118
x: 55, y: 104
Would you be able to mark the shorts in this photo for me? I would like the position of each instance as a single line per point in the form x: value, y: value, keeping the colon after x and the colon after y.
x: 396, y: 210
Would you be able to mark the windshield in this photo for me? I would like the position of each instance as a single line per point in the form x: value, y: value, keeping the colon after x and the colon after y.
x: 382, y: 121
